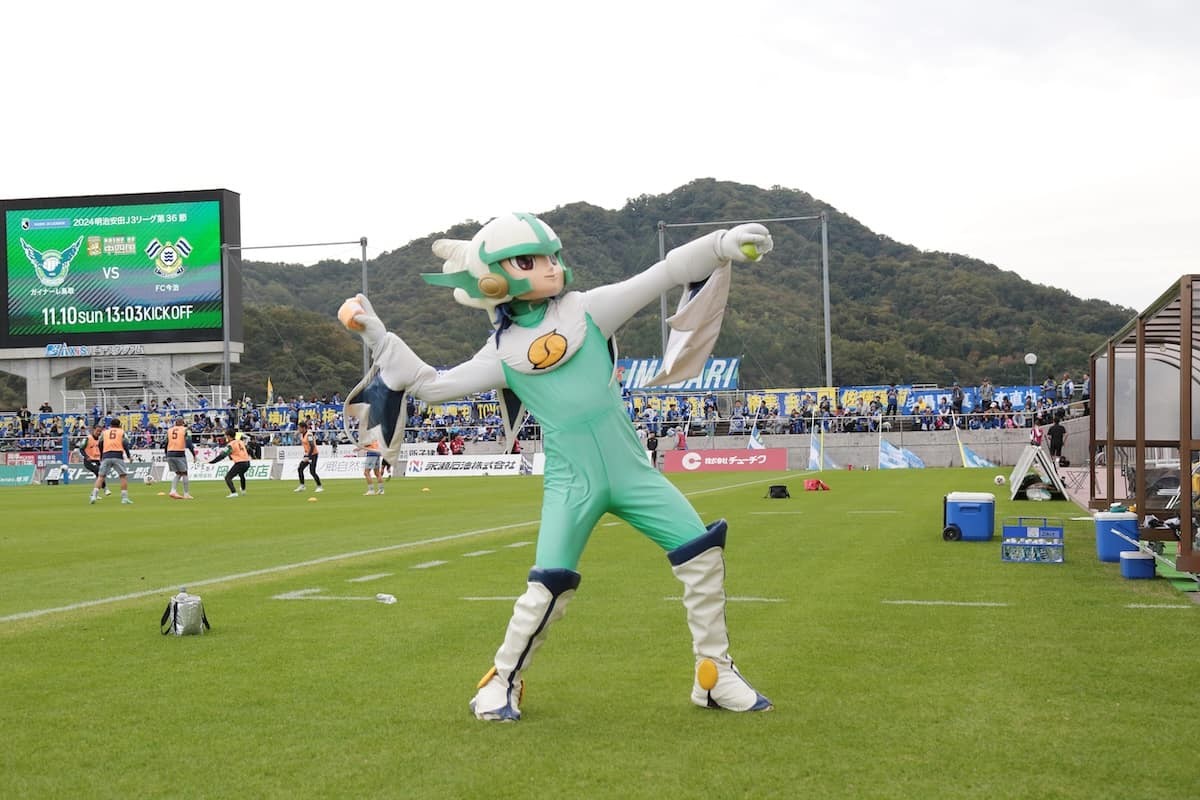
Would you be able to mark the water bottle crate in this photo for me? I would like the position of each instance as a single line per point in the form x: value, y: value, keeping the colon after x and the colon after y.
x: 1032, y: 540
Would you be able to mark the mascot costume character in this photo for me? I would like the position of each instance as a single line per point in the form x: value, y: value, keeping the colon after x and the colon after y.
x: 552, y: 354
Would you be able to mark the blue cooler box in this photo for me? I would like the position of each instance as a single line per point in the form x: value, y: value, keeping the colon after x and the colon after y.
x: 969, y: 516
x: 1137, y: 565
x: 1109, y: 546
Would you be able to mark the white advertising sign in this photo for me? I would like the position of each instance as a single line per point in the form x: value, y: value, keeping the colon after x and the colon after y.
x: 351, y: 467
x: 457, y: 466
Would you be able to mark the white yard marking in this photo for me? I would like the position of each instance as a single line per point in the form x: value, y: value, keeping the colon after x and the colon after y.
x: 942, y: 603
x: 739, y: 599
x: 1150, y: 605
x: 428, y: 564
x: 519, y: 544
x: 241, y: 576
x: 366, y: 578
x: 475, y: 553
x: 314, y: 594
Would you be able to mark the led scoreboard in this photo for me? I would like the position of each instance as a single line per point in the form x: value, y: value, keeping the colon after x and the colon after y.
x: 128, y: 269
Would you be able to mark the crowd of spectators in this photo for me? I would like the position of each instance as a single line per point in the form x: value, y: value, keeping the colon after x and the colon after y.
x: 707, y: 416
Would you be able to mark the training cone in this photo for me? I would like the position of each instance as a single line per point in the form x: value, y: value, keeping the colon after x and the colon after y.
x: 162, y: 494
x: 424, y: 488
x: 312, y: 499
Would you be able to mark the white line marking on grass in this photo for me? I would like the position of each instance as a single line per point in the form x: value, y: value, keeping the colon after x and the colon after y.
x: 366, y: 578
x: 475, y: 553
x: 1149, y: 605
x: 519, y: 544
x: 314, y: 594
x: 942, y: 603
x: 488, y: 599
x: 611, y: 524
x: 238, y: 576
x: 296, y: 595
x: 265, y: 571
x: 739, y: 599
x: 428, y: 564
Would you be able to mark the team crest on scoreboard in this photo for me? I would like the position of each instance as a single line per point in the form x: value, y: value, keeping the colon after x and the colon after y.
x: 51, y: 266
x: 168, y: 256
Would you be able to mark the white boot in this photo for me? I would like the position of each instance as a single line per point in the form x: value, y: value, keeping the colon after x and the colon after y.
x: 543, y: 603
x: 700, y: 565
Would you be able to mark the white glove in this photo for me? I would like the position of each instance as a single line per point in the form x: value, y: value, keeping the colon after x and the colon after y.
x: 748, y: 242
x: 358, y: 315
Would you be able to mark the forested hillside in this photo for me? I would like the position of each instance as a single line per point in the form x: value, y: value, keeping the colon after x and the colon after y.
x: 898, y: 313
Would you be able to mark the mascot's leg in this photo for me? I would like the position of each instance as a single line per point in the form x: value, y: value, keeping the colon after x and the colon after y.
x: 543, y: 603
x: 700, y: 565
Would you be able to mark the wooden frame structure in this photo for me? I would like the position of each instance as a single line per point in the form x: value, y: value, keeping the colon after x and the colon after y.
x: 1146, y: 396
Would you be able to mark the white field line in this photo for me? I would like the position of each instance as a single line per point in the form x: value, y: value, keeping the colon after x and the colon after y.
x: 738, y: 599
x: 942, y: 603
x: 314, y: 594
x: 1150, y: 605
x: 265, y: 571
x: 477, y: 553
x: 173, y: 588
x: 366, y: 578
x: 428, y: 564
x: 519, y: 544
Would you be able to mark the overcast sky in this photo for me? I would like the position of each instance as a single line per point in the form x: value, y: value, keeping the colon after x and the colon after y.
x: 1054, y: 138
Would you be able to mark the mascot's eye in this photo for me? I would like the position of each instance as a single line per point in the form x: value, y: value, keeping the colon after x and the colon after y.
x: 523, y: 263
x: 554, y: 259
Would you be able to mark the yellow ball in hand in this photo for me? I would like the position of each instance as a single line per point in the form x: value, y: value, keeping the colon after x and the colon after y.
x: 750, y: 251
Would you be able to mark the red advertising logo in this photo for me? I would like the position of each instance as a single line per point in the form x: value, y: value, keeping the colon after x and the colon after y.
x: 773, y: 458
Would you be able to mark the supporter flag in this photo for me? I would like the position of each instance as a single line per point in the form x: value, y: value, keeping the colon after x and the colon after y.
x: 816, y: 451
x: 892, y: 457
x: 270, y: 391
x: 969, y: 457
x: 756, y: 442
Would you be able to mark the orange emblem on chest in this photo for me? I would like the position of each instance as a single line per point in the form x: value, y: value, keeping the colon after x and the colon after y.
x: 547, y: 350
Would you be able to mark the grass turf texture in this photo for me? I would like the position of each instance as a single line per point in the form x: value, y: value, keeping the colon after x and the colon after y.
x: 1060, y: 693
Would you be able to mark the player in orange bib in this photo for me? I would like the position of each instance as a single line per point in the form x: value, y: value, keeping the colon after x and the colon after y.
x: 114, y: 447
x: 236, y: 450
x: 89, y: 448
x: 308, y: 441
x: 178, y: 443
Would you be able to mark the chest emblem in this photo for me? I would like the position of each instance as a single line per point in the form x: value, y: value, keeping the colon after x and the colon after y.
x: 547, y: 350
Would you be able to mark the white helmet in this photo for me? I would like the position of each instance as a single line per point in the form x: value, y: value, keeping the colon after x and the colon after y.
x: 474, y: 268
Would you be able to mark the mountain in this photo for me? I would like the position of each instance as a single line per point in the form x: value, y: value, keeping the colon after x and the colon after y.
x: 897, y: 313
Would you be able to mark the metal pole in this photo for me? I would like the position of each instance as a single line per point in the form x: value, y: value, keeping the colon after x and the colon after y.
x: 662, y: 298
x: 366, y: 352
x: 225, y: 316
x: 825, y: 280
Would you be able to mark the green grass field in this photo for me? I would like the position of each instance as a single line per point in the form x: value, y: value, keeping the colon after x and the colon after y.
x: 1061, y: 681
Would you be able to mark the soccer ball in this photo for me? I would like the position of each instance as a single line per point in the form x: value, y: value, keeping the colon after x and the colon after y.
x: 149, y: 479
x: 999, y: 480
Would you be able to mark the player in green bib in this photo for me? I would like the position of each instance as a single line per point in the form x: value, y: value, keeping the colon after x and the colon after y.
x: 553, y: 351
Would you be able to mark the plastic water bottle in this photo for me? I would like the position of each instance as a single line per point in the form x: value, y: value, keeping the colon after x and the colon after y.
x: 387, y: 599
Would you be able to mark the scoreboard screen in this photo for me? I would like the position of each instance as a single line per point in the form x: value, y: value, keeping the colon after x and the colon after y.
x: 117, y: 269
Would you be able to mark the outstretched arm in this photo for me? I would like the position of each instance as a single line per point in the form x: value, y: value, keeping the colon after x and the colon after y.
x: 403, y: 370
x: 692, y: 263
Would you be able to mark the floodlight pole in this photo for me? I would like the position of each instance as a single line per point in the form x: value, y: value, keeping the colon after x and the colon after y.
x: 225, y: 248
x: 823, y: 217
